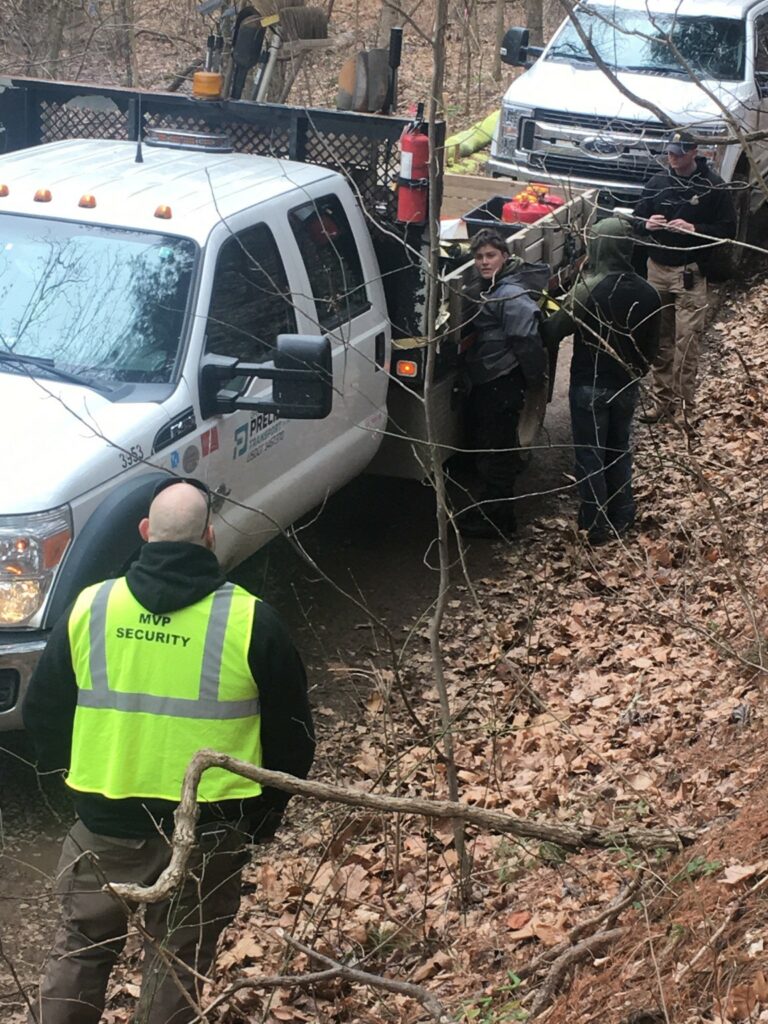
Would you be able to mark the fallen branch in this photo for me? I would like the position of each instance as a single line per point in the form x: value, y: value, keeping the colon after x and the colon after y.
x: 565, y: 961
x: 571, y: 837
x: 407, y: 988
x: 624, y: 899
x: 334, y: 970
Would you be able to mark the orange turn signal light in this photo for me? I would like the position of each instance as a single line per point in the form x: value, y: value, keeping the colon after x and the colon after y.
x: 406, y: 368
x: 163, y: 212
x: 54, y: 548
x: 4, y: 191
x: 87, y: 201
x: 43, y: 195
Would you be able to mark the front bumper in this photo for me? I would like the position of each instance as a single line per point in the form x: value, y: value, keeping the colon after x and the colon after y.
x: 18, y: 658
x: 621, y: 190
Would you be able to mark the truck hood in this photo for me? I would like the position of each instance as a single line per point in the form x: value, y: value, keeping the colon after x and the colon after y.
x: 581, y: 90
x: 56, y: 444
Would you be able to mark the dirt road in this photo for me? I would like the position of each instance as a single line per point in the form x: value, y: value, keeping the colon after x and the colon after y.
x: 375, y: 541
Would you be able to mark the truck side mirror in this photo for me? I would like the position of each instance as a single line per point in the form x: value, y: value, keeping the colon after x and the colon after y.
x: 302, y: 376
x: 514, y: 47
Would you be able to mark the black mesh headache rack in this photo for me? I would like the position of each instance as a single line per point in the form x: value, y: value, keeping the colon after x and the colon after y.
x: 363, y: 147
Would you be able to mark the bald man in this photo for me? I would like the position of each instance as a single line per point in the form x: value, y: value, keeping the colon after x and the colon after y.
x: 139, y: 674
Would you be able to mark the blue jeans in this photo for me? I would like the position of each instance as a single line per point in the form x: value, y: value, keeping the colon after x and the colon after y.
x: 601, y: 419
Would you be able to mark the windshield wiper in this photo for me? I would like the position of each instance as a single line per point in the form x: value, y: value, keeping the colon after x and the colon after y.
x: 654, y: 69
x: 50, y: 367
x: 579, y: 58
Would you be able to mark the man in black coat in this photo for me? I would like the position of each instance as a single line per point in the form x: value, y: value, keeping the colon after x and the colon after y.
x: 679, y: 206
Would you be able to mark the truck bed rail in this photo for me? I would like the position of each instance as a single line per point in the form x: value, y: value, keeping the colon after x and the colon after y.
x: 362, y: 146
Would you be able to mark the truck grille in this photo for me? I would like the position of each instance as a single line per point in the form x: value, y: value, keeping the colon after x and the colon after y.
x: 593, y: 147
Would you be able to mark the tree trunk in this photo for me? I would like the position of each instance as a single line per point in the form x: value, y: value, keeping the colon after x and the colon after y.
x: 534, y: 18
x: 57, y: 15
x: 388, y: 18
x: 501, y: 28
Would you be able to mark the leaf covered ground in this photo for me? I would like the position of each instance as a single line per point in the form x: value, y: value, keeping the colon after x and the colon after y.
x: 619, y: 686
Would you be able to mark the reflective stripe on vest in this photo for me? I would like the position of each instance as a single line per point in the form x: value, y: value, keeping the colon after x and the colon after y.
x: 153, y: 689
x: 206, y: 705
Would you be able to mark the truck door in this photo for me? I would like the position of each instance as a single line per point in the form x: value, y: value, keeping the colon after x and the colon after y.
x: 245, y: 455
x: 760, y: 151
x: 344, y: 282
x: 274, y: 470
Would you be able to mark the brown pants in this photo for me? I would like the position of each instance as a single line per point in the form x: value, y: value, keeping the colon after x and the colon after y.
x: 682, y: 318
x: 94, y: 927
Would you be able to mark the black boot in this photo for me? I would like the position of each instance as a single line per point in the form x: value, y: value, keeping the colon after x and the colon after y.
x: 491, y: 525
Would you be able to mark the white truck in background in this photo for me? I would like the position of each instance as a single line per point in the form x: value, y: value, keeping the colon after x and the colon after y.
x: 564, y: 122
x: 179, y: 307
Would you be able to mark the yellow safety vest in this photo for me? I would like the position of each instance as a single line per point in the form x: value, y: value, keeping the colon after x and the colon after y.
x: 152, y: 690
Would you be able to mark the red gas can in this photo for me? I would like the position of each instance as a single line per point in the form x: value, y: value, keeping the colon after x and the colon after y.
x: 530, y: 205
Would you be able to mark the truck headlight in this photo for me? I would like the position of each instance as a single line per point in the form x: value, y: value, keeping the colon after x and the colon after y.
x: 509, y: 125
x: 31, y: 549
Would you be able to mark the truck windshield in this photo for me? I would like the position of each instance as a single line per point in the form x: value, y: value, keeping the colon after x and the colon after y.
x: 106, y: 304
x: 650, y: 43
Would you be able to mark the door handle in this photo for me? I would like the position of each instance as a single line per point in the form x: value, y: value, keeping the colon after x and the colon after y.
x: 381, y: 350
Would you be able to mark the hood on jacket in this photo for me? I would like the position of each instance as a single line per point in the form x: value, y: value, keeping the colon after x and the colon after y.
x: 173, y: 574
x: 609, y: 249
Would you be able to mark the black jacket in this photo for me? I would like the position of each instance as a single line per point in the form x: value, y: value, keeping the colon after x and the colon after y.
x: 623, y: 313
x: 166, y: 577
x: 505, y: 320
x: 703, y: 199
x: 613, y: 313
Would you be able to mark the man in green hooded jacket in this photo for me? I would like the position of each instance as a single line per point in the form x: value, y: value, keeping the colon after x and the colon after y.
x: 614, y: 316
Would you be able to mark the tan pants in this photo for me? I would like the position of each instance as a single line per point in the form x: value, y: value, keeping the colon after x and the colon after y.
x: 682, y: 319
x: 94, y: 927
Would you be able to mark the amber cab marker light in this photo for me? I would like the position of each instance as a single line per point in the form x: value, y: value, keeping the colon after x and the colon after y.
x: 406, y: 368
x: 43, y: 195
x: 88, y: 202
x: 163, y: 212
x: 4, y: 191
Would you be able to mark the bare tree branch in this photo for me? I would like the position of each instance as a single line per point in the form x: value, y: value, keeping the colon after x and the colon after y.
x: 572, y: 837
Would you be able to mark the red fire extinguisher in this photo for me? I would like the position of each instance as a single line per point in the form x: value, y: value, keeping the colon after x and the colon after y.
x: 413, y: 183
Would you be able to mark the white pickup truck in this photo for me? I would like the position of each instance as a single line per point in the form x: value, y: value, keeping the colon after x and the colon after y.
x: 180, y: 307
x: 564, y: 122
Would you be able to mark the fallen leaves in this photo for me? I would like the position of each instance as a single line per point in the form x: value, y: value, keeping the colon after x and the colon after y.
x: 736, y: 873
x: 605, y: 687
x: 747, y: 997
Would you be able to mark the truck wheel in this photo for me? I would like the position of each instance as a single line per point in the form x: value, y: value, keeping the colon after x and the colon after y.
x: 735, y: 254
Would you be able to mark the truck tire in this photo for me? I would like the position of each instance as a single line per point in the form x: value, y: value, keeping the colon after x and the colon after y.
x: 107, y: 544
x: 734, y: 255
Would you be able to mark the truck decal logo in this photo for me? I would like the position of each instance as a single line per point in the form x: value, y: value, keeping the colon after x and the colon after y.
x: 190, y: 459
x: 241, y: 441
x: 262, y: 432
x: 600, y: 145
x: 209, y: 441
x: 175, y: 460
